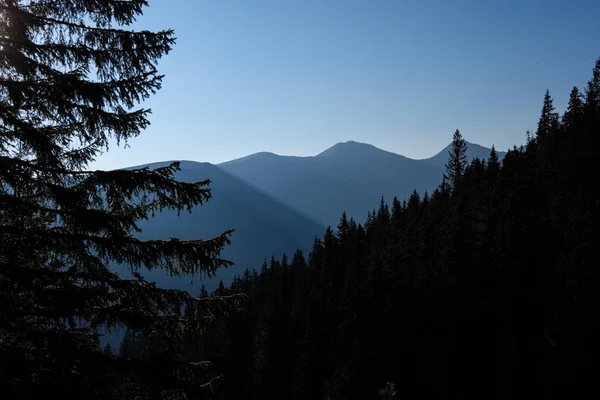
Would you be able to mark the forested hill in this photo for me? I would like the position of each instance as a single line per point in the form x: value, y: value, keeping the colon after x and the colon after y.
x: 486, y: 288
x: 262, y: 225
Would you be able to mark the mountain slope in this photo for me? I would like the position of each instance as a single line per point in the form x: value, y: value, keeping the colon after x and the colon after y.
x: 473, y: 151
x: 378, y: 172
x: 349, y: 177
x: 263, y: 226
x: 298, y: 183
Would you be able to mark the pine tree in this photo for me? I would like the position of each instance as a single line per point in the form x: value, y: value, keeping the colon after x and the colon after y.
x: 592, y: 113
x: 220, y: 291
x: 343, y: 228
x: 425, y: 201
x: 573, y: 124
x: 203, y: 291
x: 493, y: 158
x: 383, y: 213
x: 592, y: 93
x: 284, y: 261
x: 414, y: 204
x: 298, y: 261
x: 264, y: 268
x: 396, y: 209
x: 548, y: 122
x: 457, y: 161
x: 528, y: 138
x: 573, y: 116
x: 72, y: 76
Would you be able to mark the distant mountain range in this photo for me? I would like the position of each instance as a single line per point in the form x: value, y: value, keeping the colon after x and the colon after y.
x: 349, y: 177
x: 277, y: 204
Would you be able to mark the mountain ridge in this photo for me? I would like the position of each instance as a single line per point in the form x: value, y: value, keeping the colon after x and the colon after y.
x: 348, y: 176
x: 292, y: 194
x: 364, y: 146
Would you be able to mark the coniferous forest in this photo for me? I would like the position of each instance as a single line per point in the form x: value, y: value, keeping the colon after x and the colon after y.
x: 485, y: 288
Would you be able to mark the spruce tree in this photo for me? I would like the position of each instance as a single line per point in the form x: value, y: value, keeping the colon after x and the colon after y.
x: 343, y: 228
x: 203, y: 291
x: 457, y: 161
x: 72, y: 77
x: 573, y: 116
x: 592, y: 92
x: 298, y: 261
x: 548, y: 122
x: 493, y: 158
x: 592, y: 112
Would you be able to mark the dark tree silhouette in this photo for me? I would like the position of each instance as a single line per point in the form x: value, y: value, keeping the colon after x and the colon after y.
x: 548, y: 121
x: 71, y: 77
x: 457, y: 160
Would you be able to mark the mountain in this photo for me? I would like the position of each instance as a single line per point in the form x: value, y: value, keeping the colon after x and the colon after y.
x: 349, y: 176
x: 377, y: 173
x: 301, y: 184
x: 473, y: 151
x: 263, y: 226
x: 279, y: 203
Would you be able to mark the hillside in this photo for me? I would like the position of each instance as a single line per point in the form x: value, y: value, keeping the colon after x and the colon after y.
x: 349, y: 177
x: 377, y: 172
x: 263, y: 226
x: 301, y: 184
x: 473, y: 151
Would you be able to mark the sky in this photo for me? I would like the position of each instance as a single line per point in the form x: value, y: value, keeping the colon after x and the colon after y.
x: 295, y: 77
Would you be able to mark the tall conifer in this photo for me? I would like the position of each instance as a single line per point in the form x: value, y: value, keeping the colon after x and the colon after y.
x: 71, y: 78
x: 457, y: 161
x: 548, y: 122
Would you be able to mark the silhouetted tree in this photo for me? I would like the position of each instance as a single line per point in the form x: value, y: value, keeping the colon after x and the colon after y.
x: 72, y: 76
x: 457, y: 160
x: 548, y: 122
x: 573, y: 117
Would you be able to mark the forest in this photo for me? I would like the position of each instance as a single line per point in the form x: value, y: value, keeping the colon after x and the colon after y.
x: 483, y: 288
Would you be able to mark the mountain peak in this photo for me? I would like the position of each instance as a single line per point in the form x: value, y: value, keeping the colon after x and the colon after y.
x: 349, y: 147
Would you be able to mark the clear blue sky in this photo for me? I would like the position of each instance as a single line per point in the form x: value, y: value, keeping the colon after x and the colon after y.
x: 295, y: 77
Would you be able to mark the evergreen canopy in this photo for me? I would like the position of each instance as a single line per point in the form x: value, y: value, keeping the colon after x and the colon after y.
x: 72, y: 78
